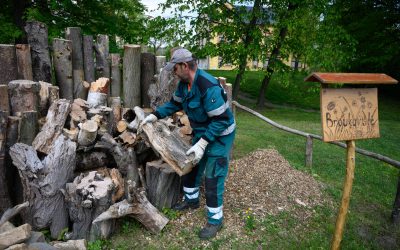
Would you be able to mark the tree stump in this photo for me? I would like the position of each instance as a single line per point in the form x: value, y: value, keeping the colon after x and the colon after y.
x: 163, y: 184
x: 131, y: 76
x: 24, y: 61
x: 43, y: 182
x: 88, y: 60
x: 8, y: 64
x: 147, y: 65
x: 62, y: 58
x: 24, y: 96
x: 37, y: 35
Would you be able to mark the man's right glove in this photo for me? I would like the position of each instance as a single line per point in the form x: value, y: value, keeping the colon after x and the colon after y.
x: 198, y: 150
x: 149, y: 119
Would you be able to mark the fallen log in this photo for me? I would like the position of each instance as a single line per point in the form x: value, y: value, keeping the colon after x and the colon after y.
x: 44, y: 181
x: 169, y: 145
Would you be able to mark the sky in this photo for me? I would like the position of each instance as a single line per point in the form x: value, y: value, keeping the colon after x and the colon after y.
x: 152, y: 8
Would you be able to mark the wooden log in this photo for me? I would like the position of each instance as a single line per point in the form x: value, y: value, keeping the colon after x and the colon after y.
x: 93, y: 160
x: 37, y: 35
x: 88, y: 196
x: 162, y: 90
x: 43, y: 98
x: 101, y: 85
x: 43, y: 182
x: 62, y: 58
x: 122, y: 126
x: 5, y: 201
x: 116, y: 83
x: 11, y: 212
x: 131, y: 76
x: 347, y: 186
x: 78, y: 111
x: 161, y: 61
x: 88, y: 58
x: 128, y: 137
x: 163, y: 184
x: 24, y: 61
x: 24, y: 96
x: 4, y: 100
x: 29, y: 127
x: 51, y: 130
x: 13, y: 179
x: 71, y: 134
x: 147, y: 66
x: 102, y: 56
x: 74, y: 34
x: 87, y: 133
x: 169, y: 145
x: 115, y: 115
x: 15, y: 236
x: 54, y: 94
x: 137, y: 207
x: 8, y: 64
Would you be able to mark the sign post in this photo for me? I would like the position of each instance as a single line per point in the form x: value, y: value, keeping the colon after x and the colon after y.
x: 348, y: 114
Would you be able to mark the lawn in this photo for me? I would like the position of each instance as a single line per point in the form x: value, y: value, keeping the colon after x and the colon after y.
x: 368, y: 222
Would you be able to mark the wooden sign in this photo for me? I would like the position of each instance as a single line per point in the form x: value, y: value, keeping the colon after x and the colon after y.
x: 349, y: 114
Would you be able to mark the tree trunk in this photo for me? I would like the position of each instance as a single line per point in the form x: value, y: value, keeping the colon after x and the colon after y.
x: 147, y: 61
x: 24, y: 61
x: 116, y: 83
x: 5, y: 201
x: 47, y: 207
x: 24, y: 96
x: 131, y: 76
x: 163, y: 184
x: 62, y: 58
x: 8, y: 64
x: 4, y: 100
x: 238, y: 80
x: 74, y: 34
x: 51, y: 130
x: 102, y: 56
x: 29, y: 127
x: 88, y: 58
x: 38, y: 41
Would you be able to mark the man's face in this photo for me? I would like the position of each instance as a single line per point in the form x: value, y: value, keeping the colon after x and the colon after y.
x: 181, y: 70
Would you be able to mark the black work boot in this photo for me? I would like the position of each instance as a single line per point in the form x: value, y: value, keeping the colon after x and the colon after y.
x: 209, y: 231
x: 184, y: 205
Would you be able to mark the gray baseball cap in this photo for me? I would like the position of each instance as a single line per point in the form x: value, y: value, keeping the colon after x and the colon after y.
x: 179, y: 56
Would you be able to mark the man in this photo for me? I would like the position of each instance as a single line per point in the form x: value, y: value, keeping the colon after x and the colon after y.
x: 205, y: 102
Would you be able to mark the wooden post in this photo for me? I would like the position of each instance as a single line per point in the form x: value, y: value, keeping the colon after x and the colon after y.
x: 88, y: 60
x: 309, y: 151
x: 37, y: 35
x: 115, y: 75
x: 160, y: 63
x: 24, y: 96
x: 74, y: 34
x: 8, y: 64
x: 131, y: 76
x: 147, y: 61
x: 102, y: 54
x: 24, y: 61
x: 5, y: 201
x: 344, y: 207
x: 63, y: 67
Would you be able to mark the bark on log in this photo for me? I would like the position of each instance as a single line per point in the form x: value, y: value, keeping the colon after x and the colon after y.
x: 8, y: 64
x: 161, y: 61
x: 93, y: 160
x: 38, y: 40
x: 24, y: 61
x: 131, y: 76
x: 102, y: 55
x: 88, y: 58
x: 62, y: 58
x: 43, y: 182
x: 4, y: 100
x: 163, y: 184
x: 5, y: 201
x: 147, y: 61
x: 116, y: 84
x: 87, y: 133
x: 29, y: 127
x: 115, y: 115
x: 75, y: 35
x: 24, y: 96
x: 137, y: 207
x: 55, y: 121
x: 169, y: 145
x: 161, y: 91
x: 88, y: 196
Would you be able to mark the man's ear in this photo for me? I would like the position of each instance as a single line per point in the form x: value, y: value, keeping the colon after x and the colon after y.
x: 186, y: 65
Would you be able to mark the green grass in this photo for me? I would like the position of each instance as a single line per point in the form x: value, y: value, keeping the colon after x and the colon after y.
x: 368, y: 225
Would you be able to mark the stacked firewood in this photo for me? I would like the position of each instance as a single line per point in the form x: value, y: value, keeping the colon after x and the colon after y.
x: 89, y: 165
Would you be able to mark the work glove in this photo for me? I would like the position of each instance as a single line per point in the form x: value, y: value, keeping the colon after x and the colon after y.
x: 198, y: 150
x: 149, y: 119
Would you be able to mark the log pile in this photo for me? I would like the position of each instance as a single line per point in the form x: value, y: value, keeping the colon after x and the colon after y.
x: 83, y: 170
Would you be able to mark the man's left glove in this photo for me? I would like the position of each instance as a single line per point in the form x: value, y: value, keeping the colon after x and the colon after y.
x: 198, y: 150
x: 148, y: 119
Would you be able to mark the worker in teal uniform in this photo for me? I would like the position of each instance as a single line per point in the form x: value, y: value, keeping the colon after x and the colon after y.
x: 205, y: 102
